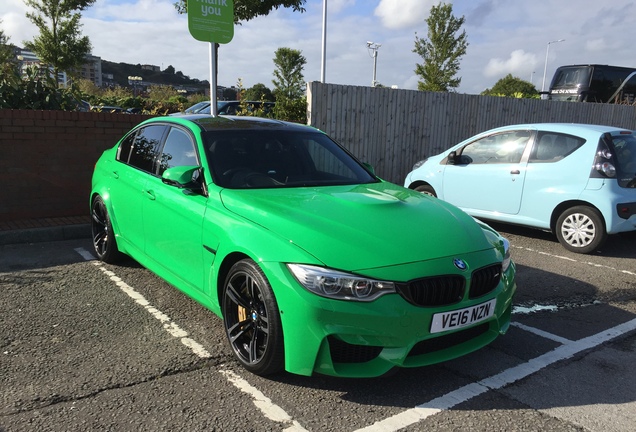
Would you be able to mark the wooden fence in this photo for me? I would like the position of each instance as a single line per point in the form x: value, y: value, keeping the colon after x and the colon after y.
x: 392, y: 129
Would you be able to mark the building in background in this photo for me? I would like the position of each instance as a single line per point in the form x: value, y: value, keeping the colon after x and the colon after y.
x: 90, y: 70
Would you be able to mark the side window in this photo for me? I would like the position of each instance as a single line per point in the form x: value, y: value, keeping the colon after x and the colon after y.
x: 504, y: 147
x: 178, y: 150
x: 145, y: 147
x: 553, y: 146
x: 123, y: 152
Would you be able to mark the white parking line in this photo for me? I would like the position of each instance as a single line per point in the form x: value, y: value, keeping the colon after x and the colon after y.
x: 628, y: 272
x: 419, y: 412
x: 269, y: 409
x: 543, y: 334
x: 508, y: 376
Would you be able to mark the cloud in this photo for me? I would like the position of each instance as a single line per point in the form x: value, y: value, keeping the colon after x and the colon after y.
x: 481, y: 12
x: 336, y: 6
x: 403, y: 14
x: 597, y: 45
x: 519, y: 61
x: 504, y: 37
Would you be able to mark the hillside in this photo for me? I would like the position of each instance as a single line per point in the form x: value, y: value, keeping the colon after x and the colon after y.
x: 121, y: 72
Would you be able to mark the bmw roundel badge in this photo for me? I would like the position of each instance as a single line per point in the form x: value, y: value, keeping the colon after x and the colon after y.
x: 460, y: 263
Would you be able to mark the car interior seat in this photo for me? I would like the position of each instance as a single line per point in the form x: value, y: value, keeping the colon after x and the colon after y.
x: 545, y: 148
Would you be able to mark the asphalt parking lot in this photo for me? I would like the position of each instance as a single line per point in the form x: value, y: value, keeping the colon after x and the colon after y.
x: 89, y: 346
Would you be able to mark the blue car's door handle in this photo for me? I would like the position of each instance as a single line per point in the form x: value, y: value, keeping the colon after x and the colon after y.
x: 515, y: 172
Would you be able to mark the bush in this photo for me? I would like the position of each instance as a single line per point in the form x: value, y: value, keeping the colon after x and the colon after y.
x: 35, y: 92
x: 294, y: 110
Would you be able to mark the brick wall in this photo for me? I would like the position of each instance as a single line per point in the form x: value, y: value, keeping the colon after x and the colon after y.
x: 47, y: 159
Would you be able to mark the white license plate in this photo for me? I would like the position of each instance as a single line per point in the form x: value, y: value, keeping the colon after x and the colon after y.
x: 462, y: 317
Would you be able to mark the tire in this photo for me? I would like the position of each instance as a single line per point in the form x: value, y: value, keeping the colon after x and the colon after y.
x: 426, y: 190
x: 252, y: 319
x: 581, y: 229
x: 104, y: 242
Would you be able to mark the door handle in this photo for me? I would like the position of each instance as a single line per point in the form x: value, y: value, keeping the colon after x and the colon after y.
x: 515, y: 172
x: 150, y: 194
x: 115, y: 174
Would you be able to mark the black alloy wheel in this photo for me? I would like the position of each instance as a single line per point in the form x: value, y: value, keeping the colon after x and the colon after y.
x: 104, y: 241
x: 252, y: 319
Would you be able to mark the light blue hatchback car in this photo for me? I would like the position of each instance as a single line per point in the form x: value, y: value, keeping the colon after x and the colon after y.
x: 576, y: 180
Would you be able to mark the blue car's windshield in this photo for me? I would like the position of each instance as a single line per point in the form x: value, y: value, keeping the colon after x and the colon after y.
x: 266, y: 159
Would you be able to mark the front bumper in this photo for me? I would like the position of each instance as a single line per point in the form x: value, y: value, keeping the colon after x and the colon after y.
x: 356, y: 339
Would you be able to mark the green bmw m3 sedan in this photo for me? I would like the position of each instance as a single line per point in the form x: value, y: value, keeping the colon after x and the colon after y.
x: 314, y: 264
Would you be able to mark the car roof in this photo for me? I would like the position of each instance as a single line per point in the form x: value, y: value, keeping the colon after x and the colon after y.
x: 208, y: 122
x: 572, y: 128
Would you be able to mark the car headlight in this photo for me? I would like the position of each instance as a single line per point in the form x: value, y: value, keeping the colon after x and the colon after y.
x: 339, y: 285
x: 419, y: 164
x: 506, y: 259
x: 496, y: 240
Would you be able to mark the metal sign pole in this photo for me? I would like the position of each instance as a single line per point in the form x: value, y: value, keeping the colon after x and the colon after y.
x: 213, y: 107
x: 213, y: 22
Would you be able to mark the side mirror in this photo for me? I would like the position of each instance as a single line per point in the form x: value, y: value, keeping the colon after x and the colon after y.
x: 455, y: 159
x: 181, y: 177
x: 369, y: 167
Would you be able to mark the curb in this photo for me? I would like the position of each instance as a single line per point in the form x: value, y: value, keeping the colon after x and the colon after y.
x: 45, y: 234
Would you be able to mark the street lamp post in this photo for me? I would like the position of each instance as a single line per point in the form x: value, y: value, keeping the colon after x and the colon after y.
x: 323, y: 62
x: 374, y: 47
x: 545, y: 67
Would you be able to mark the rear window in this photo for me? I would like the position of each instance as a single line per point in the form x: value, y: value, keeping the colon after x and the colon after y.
x: 553, y: 146
x: 624, y: 152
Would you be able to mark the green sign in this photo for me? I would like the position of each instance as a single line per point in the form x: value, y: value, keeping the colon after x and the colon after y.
x: 211, y: 20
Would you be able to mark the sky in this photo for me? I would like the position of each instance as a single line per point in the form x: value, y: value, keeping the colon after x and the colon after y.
x: 504, y: 37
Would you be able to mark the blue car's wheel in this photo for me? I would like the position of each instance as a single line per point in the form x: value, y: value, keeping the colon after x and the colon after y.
x: 426, y: 190
x: 252, y: 319
x: 581, y: 229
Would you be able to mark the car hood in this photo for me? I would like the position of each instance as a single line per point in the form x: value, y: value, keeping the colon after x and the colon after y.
x: 361, y: 226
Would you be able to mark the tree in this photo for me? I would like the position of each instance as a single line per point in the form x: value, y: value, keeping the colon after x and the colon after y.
x: 8, y: 63
x: 229, y: 93
x: 169, y: 70
x: 245, y: 10
x: 59, y: 44
x: 510, y: 86
x: 289, y: 80
x: 441, y: 51
x: 259, y: 92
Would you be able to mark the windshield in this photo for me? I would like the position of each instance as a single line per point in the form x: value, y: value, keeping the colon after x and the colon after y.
x: 569, y: 77
x: 625, y: 153
x: 242, y: 159
x: 196, y: 107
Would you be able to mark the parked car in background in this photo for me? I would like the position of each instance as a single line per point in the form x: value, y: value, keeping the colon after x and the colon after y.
x: 594, y: 83
x: 194, y: 109
x: 227, y: 107
x: 579, y: 181
x: 281, y: 232
x: 197, y: 107
x: 107, y: 109
x: 234, y: 107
